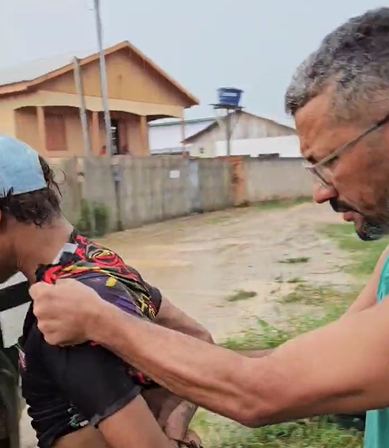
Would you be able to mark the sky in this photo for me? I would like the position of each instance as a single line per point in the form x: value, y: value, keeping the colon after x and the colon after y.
x: 254, y: 45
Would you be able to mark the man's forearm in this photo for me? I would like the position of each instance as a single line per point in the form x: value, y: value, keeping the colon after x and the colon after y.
x: 256, y: 353
x: 169, y: 358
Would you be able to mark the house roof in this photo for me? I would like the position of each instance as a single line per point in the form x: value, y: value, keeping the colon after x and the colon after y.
x: 215, y: 124
x: 26, y: 75
x: 166, y: 122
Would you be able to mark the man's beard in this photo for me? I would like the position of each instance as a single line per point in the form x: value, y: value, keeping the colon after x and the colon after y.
x: 371, y: 229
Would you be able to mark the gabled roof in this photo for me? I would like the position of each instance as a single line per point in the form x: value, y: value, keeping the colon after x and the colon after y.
x: 215, y: 124
x: 23, y: 76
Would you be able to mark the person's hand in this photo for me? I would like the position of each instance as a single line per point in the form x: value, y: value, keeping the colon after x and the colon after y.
x: 65, y: 311
x: 191, y: 440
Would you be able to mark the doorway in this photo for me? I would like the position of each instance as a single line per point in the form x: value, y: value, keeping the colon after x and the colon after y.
x: 115, y: 137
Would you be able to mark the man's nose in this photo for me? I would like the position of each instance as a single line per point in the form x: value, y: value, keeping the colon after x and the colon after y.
x: 323, y: 193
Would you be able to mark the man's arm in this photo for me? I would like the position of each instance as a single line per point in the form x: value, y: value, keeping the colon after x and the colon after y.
x: 260, y: 391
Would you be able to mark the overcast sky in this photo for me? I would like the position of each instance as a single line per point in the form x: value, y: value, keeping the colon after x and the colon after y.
x: 204, y: 44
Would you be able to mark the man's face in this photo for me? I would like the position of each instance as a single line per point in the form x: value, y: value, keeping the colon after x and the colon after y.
x: 357, y: 181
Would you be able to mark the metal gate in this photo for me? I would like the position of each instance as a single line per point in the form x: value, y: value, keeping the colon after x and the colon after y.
x: 196, y: 205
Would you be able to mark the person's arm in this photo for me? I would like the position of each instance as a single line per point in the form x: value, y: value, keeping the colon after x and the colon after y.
x: 170, y: 316
x: 98, y: 384
x: 125, y: 300
x: 260, y: 391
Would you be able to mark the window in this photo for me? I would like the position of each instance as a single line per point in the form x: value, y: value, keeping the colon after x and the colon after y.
x: 55, y: 132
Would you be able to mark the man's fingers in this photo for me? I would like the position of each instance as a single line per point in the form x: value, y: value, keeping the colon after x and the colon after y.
x: 40, y: 289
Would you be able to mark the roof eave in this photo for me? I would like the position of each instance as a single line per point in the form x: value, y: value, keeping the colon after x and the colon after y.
x: 24, y: 85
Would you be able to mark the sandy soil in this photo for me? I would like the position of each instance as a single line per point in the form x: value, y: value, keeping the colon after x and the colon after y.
x: 201, y: 260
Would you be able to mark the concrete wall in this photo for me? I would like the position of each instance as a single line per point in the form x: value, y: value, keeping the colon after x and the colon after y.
x: 149, y: 189
x: 158, y: 188
x: 282, y: 178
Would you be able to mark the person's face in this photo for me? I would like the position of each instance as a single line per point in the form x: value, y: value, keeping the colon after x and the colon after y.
x: 8, y: 262
x: 356, y: 181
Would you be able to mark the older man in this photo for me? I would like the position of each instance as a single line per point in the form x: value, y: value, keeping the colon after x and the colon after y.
x: 339, y: 98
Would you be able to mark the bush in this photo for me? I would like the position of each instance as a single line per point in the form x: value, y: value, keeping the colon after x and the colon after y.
x: 94, y: 219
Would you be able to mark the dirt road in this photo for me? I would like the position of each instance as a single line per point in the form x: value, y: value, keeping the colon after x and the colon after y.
x: 201, y: 261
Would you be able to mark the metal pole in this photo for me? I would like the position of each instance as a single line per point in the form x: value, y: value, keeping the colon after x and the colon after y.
x: 103, y: 78
x: 83, y: 115
x: 183, y: 146
x: 228, y: 133
x: 86, y: 138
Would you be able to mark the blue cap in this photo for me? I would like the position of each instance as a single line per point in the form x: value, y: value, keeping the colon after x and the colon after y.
x: 20, y: 169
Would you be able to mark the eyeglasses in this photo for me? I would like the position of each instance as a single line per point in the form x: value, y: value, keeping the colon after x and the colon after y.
x: 319, y: 169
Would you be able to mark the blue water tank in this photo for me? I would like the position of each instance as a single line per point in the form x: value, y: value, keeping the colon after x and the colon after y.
x: 229, y: 96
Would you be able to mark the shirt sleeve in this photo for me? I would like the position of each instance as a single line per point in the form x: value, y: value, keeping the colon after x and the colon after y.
x: 95, y: 380
x: 156, y: 297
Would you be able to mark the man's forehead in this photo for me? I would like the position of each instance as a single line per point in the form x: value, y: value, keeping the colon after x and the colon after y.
x: 318, y: 133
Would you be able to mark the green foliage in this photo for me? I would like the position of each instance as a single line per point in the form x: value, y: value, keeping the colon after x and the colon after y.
x: 94, y: 219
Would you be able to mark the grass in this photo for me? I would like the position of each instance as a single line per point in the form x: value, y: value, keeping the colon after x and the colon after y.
x: 277, y: 204
x: 295, y: 260
x: 241, y: 294
x: 318, y: 295
x: 364, y: 254
x: 216, y: 220
x: 315, y: 433
x: 310, y: 433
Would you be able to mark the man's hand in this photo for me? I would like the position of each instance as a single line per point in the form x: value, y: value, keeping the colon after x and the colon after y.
x: 66, y: 311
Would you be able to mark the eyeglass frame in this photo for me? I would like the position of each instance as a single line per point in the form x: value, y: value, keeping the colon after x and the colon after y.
x: 315, y: 168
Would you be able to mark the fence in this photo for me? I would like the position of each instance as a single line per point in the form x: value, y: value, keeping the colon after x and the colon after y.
x: 144, y: 190
x: 281, y: 178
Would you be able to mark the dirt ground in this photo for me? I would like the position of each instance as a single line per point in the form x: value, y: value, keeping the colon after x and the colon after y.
x: 200, y: 261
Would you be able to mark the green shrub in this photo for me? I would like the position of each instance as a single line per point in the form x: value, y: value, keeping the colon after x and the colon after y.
x: 94, y: 219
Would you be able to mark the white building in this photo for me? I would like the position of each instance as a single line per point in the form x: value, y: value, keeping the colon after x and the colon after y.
x: 204, y: 137
x: 165, y: 136
x: 246, y: 129
x: 285, y: 146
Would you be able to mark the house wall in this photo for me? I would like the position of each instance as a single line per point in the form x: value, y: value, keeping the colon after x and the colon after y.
x: 246, y: 127
x: 7, y: 123
x: 26, y: 129
x: 26, y: 123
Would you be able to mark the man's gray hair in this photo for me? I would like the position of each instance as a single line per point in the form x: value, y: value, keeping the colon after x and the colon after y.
x: 352, y: 61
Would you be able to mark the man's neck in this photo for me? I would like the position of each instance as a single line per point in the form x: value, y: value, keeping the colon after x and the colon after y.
x: 41, y: 246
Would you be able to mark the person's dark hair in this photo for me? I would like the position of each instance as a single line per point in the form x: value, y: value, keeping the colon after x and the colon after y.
x: 38, y: 207
x: 353, y: 63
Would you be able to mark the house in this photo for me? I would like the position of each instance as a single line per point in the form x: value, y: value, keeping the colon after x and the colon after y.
x: 211, y: 140
x: 40, y: 101
x: 166, y: 136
